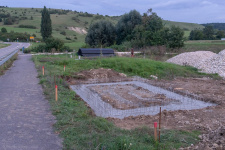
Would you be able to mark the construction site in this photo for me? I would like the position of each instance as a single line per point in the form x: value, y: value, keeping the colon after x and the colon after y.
x: 187, y: 103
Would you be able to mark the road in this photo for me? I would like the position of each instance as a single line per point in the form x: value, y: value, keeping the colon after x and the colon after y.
x: 26, y: 120
x: 14, y: 46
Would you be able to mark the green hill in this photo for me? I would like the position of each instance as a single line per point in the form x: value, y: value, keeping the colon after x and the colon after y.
x: 183, y: 25
x: 218, y: 26
x: 69, y: 26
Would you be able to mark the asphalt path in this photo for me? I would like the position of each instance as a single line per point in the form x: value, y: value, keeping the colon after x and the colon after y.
x: 26, y: 122
x: 13, y: 46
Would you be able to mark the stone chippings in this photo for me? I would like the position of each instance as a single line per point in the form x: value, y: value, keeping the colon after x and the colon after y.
x: 214, y: 140
x: 205, y: 61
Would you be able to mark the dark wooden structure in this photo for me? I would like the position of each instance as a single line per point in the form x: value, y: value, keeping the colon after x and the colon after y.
x: 95, y: 52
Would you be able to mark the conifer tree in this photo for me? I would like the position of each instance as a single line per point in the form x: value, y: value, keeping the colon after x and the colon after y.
x: 46, y: 24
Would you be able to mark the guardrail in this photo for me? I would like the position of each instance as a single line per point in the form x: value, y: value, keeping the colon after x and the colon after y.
x: 3, y: 59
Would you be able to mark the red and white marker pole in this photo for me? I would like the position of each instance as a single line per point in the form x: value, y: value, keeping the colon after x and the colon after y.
x: 64, y: 68
x: 56, y: 93
x: 43, y: 70
x: 155, y: 130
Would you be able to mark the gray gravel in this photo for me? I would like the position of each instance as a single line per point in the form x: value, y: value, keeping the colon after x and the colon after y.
x: 26, y: 120
x: 104, y: 109
x: 205, y: 61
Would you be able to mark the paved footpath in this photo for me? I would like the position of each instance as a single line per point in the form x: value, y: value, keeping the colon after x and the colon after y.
x: 25, y: 117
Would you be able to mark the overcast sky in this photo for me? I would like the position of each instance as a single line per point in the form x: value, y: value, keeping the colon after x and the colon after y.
x: 193, y: 11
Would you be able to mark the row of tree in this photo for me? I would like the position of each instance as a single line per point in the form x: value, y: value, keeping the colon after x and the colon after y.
x: 139, y: 31
x: 208, y: 33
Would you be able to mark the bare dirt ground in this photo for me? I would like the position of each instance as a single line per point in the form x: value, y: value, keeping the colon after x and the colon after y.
x: 210, y: 120
x: 130, y: 96
x: 78, y: 30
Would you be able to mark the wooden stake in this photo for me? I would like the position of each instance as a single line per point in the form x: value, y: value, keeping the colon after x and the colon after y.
x: 159, y: 123
x: 64, y: 68
x: 43, y: 70
x: 56, y: 93
x: 155, y: 130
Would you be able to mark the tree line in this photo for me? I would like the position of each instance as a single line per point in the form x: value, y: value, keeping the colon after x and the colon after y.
x: 208, y: 33
x: 137, y: 30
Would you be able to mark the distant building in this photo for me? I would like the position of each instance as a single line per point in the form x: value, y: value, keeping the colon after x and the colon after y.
x: 95, y: 52
x: 223, y: 39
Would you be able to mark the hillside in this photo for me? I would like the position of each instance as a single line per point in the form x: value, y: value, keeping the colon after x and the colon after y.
x: 69, y: 26
x: 218, y: 26
x: 183, y: 25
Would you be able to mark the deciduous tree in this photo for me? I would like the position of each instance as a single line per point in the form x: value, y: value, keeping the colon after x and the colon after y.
x: 126, y: 25
x: 101, y: 33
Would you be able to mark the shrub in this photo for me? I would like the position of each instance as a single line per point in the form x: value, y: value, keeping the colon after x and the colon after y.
x: 63, y: 33
x: 27, y: 26
x: 4, y: 30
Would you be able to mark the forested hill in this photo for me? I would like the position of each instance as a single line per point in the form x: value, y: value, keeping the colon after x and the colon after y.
x: 219, y: 26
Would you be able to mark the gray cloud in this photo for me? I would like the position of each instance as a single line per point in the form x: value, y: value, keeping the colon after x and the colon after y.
x: 196, y: 11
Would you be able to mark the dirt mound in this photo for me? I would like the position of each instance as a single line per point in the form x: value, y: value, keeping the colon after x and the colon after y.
x: 213, y: 140
x: 97, y: 76
x: 78, y: 30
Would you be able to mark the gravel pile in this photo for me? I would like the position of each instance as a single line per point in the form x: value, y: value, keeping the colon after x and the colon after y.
x: 192, y: 58
x: 205, y: 61
x: 215, y: 64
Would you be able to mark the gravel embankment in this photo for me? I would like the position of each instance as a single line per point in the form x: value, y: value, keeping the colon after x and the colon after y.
x: 205, y: 61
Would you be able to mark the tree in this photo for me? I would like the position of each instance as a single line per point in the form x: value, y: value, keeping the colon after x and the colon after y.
x: 208, y: 33
x: 126, y: 25
x: 8, y: 21
x: 196, y: 35
x: 4, y: 30
x: 46, y: 24
x: 220, y: 34
x: 54, y: 43
x: 176, y: 37
x: 101, y: 33
x: 150, y: 32
x: 152, y: 21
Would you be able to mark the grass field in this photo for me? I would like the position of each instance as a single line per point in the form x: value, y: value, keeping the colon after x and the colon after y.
x: 59, y: 23
x: 80, y: 129
x: 183, y: 25
x: 204, y: 45
x: 2, y: 45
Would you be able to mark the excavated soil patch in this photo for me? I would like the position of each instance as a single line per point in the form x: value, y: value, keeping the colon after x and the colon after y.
x: 130, y: 96
x: 96, y: 76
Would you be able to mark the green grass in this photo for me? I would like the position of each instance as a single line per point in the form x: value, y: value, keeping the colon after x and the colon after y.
x: 187, y: 34
x: 183, y: 25
x: 59, y: 23
x: 75, y: 122
x: 7, y: 64
x: 135, y: 66
x: 75, y: 45
x: 3, y: 45
x: 204, y: 45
